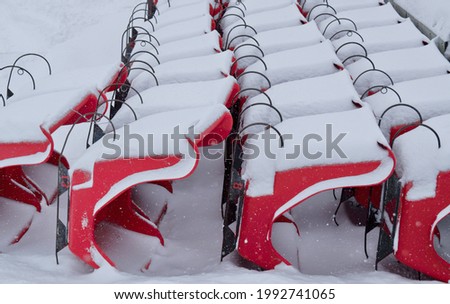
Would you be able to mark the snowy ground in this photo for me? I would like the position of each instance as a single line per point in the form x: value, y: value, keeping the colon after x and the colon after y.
x: 328, y: 254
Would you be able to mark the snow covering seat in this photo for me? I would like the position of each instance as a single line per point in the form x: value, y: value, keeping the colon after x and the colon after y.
x: 260, y: 22
x: 193, y: 69
x: 178, y: 96
x: 277, y: 181
x: 202, y: 45
x: 182, y: 30
x: 362, y: 18
x: 310, y: 96
x: 167, y: 6
x: 295, y: 64
x: 379, y: 39
x: 103, y: 176
x: 340, y: 5
x: 429, y: 96
x: 273, y: 41
x: 424, y: 172
x: 248, y: 9
x: 400, y: 65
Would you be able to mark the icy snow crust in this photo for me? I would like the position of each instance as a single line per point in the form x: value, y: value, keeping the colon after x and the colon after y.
x: 260, y: 171
x: 419, y: 158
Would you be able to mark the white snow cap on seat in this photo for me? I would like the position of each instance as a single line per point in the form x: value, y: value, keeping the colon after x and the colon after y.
x: 400, y: 65
x: 175, y: 96
x: 341, y: 5
x: 164, y: 7
x: 208, y: 44
x: 250, y: 8
x: 310, y: 96
x: 363, y: 18
x: 419, y: 158
x: 264, y: 21
x: 155, y: 131
x: 306, y: 62
x: 276, y: 41
x: 182, y: 30
x: 361, y: 143
x: 380, y: 39
x: 193, y: 69
x: 430, y: 96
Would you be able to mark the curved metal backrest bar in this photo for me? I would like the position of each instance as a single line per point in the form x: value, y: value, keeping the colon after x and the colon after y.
x: 262, y: 104
x: 121, y: 102
x: 126, y: 31
x: 383, y: 90
x: 339, y: 19
x: 145, y: 10
x: 130, y: 63
x: 255, y: 72
x: 400, y: 105
x: 143, y: 51
x: 131, y: 22
x: 142, y: 42
x: 319, y: 5
x: 399, y: 132
x: 250, y: 89
x: 227, y: 44
x: 243, y: 35
x: 329, y: 15
x: 249, y: 56
x: 348, y: 32
x: 360, y: 56
x: 267, y: 126
x: 35, y: 55
x: 3, y: 99
x: 19, y: 71
x: 138, y: 5
x: 234, y: 15
x: 230, y: 7
x: 243, y: 4
x: 355, y: 43
x: 113, y: 85
x: 249, y: 44
x: 145, y: 70
x: 374, y: 70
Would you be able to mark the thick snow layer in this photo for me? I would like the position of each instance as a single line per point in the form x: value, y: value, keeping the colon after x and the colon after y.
x: 359, y: 126
x: 400, y: 65
x: 260, y: 22
x: 175, y: 97
x: 419, y: 158
x: 255, y: 6
x: 310, y: 96
x: 430, y: 96
x: 166, y: 6
x: 193, y: 69
x: 193, y: 225
x: 432, y: 13
x: 295, y: 64
x: 182, y: 30
x: 247, y: 8
x: 158, y: 126
x: 207, y: 44
x: 363, y: 18
x: 339, y: 5
x: 176, y: 14
x: 278, y: 40
x: 379, y: 39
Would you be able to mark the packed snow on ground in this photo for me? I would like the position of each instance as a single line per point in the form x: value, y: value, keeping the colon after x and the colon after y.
x: 77, y: 33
